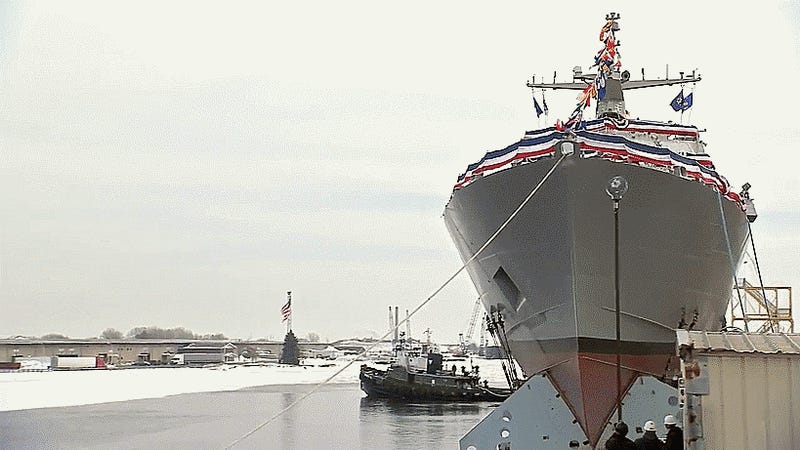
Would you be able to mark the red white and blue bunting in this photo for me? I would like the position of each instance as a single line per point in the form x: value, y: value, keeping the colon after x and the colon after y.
x: 612, y: 147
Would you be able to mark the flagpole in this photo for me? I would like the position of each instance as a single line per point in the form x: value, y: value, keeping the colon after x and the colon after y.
x: 683, y: 100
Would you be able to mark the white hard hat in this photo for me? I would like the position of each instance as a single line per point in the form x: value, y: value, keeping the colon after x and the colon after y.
x: 649, y: 426
x: 670, y: 420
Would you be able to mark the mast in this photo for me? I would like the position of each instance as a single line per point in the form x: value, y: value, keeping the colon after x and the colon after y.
x: 391, y: 321
x: 614, y: 81
x: 408, y: 326
x: 396, y: 323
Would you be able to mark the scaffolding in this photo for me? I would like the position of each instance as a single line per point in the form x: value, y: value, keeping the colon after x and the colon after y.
x: 763, y: 309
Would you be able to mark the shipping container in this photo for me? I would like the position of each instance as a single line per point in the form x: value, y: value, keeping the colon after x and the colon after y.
x: 35, y: 362
x: 741, y: 390
x: 79, y: 362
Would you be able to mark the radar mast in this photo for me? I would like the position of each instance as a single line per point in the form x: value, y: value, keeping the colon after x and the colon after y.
x: 612, y: 104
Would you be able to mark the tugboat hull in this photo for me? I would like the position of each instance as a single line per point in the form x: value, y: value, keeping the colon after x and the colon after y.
x: 399, y: 384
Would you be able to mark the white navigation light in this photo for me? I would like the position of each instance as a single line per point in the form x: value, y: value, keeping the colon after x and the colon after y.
x: 567, y: 147
x: 617, y: 187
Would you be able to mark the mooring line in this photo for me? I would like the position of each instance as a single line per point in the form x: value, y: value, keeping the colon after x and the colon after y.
x: 408, y: 316
x: 730, y: 258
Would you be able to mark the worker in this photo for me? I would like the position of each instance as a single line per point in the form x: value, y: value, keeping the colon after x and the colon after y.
x: 649, y: 441
x: 674, y: 433
x: 618, y: 440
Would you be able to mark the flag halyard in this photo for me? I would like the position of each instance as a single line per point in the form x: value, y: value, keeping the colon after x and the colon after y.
x: 539, y: 110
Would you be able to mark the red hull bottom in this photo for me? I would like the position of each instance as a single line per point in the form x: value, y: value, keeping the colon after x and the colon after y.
x: 587, y: 382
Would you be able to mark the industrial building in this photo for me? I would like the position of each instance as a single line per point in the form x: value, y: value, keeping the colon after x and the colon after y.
x: 122, y: 351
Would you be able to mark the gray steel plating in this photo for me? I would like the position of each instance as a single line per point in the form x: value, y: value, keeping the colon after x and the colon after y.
x: 551, y: 270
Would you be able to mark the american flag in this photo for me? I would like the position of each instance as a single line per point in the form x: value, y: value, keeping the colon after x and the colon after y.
x: 286, y: 311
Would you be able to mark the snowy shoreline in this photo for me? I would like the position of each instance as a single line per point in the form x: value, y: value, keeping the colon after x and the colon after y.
x: 32, y: 390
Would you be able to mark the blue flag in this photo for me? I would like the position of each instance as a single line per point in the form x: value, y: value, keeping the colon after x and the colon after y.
x: 687, y: 102
x: 544, y: 103
x: 681, y: 103
x: 677, y: 102
x: 537, y: 107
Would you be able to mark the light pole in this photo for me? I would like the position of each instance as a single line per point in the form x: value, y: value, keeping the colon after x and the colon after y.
x: 616, y: 189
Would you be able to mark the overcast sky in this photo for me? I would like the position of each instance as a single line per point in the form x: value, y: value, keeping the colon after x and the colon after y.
x: 187, y: 163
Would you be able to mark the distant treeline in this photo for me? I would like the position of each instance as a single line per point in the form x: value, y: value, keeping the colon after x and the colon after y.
x: 170, y: 333
x: 148, y: 333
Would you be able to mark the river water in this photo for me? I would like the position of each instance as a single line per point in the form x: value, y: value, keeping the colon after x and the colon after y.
x: 334, y: 417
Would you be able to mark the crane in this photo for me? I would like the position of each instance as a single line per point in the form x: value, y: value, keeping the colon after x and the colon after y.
x: 466, y: 338
x: 475, y: 310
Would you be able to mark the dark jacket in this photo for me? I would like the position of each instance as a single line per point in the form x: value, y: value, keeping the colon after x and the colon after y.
x: 649, y: 441
x: 674, y: 438
x: 619, y: 442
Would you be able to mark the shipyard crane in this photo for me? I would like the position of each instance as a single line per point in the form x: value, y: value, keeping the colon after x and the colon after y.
x: 482, y: 342
x: 475, y: 310
x: 466, y: 338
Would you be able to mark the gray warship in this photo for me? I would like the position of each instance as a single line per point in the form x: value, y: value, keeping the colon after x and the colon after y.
x: 550, y: 274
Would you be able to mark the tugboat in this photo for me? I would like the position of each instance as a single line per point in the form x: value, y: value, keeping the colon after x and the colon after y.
x: 417, y: 374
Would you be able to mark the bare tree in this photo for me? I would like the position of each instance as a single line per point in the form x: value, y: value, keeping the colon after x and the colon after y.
x: 111, y: 333
x: 172, y: 333
x: 54, y: 336
x: 160, y: 333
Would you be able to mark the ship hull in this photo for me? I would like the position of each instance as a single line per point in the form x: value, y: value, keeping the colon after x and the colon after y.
x: 551, y: 270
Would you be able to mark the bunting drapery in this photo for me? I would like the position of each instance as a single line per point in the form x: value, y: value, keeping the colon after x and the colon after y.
x: 613, y: 147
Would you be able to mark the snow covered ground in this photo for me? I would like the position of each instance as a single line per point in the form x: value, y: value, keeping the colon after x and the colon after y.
x: 29, y: 390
